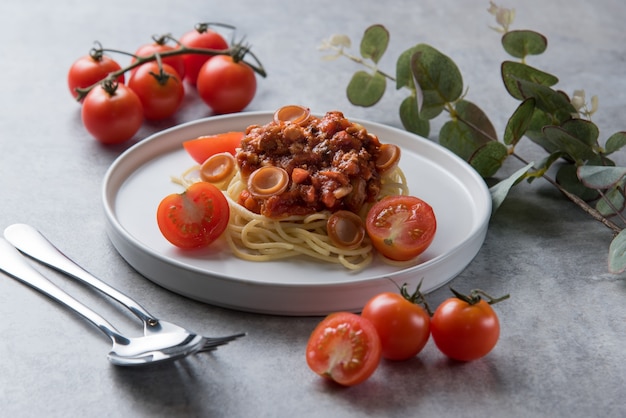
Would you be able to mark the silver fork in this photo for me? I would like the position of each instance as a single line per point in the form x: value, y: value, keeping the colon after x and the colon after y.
x: 31, y: 242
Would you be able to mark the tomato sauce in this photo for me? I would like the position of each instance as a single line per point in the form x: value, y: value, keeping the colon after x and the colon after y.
x: 331, y: 163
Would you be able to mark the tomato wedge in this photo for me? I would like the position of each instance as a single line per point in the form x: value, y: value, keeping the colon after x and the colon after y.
x: 401, y: 227
x: 194, y: 218
x: 206, y: 146
x: 345, y: 348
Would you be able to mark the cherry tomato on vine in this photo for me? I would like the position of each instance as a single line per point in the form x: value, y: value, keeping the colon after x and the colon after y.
x: 176, y: 61
x: 89, y: 69
x: 345, y: 348
x: 226, y: 85
x: 402, y: 325
x: 112, y: 112
x: 160, y: 89
x: 401, y: 227
x: 194, y: 218
x: 203, y: 147
x: 465, y: 330
x: 201, y: 37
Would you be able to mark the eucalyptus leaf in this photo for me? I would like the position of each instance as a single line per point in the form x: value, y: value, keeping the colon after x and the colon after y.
x: 488, y: 159
x: 521, y: 43
x: 574, y: 147
x: 600, y: 177
x: 409, y: 115
x: 539, y: 120
x: 512, y: 72
x: 366, y: 89
x: 554, y: 103
x: 567, y: 177
x: 459, y: 138
x: 404, y: 74
x: 617, y: 253
x: 500, y: 191
x: 612, y: 202
x: 438, y: 78
x: 519, y: 122
x: 615, y: 142
x: 583, y: 130
x: 477, y: 119
x: 374, y: 43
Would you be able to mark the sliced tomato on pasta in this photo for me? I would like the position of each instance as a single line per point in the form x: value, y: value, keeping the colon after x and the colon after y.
x: 206, y: 146
x: 401, y: 227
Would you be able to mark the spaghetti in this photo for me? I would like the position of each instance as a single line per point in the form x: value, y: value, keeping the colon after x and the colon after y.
x: 290, y: 223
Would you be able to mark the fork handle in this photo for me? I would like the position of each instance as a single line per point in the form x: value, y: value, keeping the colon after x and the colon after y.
x: 30, y: 241
x: 15, y: 265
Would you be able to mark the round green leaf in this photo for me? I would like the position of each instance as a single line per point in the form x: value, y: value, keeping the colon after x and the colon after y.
x: 579, y: 150
x: 410, y: 118
x: 519, y: 122
x: 615, y: 142
x: 567, y: 178
x: 488, y: 159
x: 374, y: 43
x: 617, y: 253
x: 438, y: 77
x: 477, y: 119
x: 584, y: 130
x: 521, y: 43
x: 404, y: 74
x: 600, y: 177
x: 366, y: 89
x: 612, y: 202
x: 459, y: 138
x: 512, y: 72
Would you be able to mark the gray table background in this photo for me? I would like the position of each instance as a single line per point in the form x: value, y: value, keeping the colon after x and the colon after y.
x: 561, y: 351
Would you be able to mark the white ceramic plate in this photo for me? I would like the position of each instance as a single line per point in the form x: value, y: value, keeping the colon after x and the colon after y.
x: 138, y: 180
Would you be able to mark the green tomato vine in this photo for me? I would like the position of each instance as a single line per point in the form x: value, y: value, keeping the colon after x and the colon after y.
x: 558, y: 123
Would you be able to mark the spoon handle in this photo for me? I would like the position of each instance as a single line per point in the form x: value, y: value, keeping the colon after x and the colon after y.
x: 30, y: 241
x: 15, y: 265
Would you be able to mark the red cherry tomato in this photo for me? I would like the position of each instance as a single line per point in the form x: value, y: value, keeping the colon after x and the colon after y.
x: 194, y: 218
x: 112, y: 113
x: 201, y: 37
x: 90, y: 69
x: 345, y: 348
x: 225, y: 85
x: 403, y: 326
x: 465, y: 331
x: 203, y: 147
x: 176, y: 61
x: 401, y: 227
x: 160, y: 90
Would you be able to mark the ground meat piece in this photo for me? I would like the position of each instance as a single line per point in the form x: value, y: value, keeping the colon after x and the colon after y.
x: 338, y: 155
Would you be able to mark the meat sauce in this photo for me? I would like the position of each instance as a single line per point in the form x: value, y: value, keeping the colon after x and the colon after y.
x: 331, y: 164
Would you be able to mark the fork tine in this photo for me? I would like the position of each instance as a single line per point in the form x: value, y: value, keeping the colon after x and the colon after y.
x: 211, y: 344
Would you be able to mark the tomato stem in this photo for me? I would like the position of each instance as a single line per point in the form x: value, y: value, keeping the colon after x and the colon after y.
x: 417, y: 297
x: 476, y: 295
x: 237, y: 50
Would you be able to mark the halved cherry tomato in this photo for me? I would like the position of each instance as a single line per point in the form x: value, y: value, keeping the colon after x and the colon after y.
x: 403, y: 326
x: 465, y: 331
x: 204, y: 147
x: 345, y: 348
x: 401, y: 227
x: 194, y: 218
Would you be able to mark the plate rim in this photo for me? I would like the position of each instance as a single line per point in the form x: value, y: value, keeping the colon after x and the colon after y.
x: 120, y: 237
